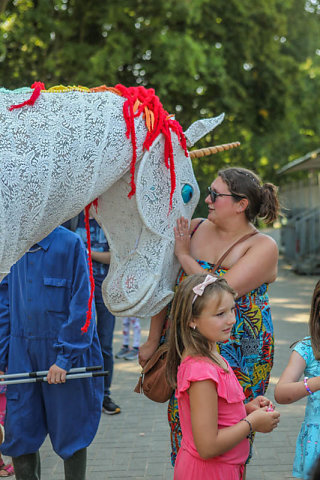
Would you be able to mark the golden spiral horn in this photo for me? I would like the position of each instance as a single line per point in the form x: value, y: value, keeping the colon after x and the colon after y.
x: 202, y: 152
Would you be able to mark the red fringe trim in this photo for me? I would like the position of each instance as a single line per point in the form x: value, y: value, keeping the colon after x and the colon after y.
x: 37, y: 86
x: 85, y: 327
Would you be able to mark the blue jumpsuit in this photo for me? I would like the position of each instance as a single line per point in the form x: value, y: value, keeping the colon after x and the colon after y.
x: 43, y: 304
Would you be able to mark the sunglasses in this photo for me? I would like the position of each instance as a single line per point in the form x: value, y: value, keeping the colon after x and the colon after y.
x: 214, y: 195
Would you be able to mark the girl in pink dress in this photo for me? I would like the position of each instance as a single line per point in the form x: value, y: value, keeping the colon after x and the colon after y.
x: 215, y: 422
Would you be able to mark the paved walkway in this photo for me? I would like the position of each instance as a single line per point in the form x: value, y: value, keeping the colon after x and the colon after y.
x: 135, y: 444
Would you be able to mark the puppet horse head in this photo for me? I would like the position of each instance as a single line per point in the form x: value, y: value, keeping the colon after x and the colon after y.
x: 66, y: 149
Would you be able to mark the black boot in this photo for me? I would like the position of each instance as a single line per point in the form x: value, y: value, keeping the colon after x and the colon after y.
x: 75, y: 466
x: 27, y: 467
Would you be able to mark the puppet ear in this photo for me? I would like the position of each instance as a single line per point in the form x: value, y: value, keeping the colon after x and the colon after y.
x: 200, y: 128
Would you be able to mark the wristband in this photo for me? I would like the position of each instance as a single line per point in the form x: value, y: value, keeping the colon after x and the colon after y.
x: 250, y: 426
x: 306, y: 385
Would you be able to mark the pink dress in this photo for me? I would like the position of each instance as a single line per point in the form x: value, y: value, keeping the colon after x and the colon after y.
x: 189, y: 465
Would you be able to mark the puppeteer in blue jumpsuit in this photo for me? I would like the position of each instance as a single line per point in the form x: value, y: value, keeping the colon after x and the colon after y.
x: 43, y: 304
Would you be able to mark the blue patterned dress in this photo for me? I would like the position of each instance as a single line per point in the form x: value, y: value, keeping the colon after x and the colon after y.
x: 308, y: 441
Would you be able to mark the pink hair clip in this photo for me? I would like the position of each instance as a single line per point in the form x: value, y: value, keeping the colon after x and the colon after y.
x: 199, y: 289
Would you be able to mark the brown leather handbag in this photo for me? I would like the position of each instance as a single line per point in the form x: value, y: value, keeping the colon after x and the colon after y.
x: 153, y: 382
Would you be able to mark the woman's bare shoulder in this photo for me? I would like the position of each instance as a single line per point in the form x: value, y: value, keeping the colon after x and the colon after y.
x: 262, y: 246
x: 265, y: 240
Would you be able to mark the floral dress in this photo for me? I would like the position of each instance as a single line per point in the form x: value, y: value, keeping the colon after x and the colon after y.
x: 249, y: 351
x: 308, y: 443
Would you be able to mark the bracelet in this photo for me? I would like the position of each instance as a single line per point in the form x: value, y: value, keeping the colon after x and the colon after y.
x: 250, y: 426
x: 306, y: 385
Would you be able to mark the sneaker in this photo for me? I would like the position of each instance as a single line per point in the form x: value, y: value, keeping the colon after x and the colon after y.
x: 122, y: 352
x: 109, y: 406
x: 132, y: 355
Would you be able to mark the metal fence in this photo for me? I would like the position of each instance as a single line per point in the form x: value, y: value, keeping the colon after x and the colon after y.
x: 300, y: 195
x: 300, y: 232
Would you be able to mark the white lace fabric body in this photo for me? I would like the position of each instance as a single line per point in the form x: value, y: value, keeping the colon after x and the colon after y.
x: 70, y: 148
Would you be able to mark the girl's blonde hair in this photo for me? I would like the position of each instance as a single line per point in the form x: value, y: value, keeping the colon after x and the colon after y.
x: 183, y: 310
x: 314, y: 321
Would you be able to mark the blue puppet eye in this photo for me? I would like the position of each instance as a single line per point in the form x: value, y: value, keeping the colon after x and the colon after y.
x: 187, y: 193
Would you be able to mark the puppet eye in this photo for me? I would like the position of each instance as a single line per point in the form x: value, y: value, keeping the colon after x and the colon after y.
x: 187, y: 193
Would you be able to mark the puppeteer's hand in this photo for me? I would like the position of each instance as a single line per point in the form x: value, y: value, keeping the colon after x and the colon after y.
x: 56, y: 374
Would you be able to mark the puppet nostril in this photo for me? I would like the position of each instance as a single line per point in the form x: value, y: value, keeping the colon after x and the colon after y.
x: 187, y: 193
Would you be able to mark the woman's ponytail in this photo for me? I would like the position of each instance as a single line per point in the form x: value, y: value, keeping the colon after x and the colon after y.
x: 269, y: 209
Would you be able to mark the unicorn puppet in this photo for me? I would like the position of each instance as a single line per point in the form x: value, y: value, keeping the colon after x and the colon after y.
x: 63, y: 148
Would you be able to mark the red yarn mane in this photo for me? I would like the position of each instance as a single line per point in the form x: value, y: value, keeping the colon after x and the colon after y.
x: 140, y: 100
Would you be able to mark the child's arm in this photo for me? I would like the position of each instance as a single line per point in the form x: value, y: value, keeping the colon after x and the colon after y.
x: 288, y: 388
x: 211, y: 441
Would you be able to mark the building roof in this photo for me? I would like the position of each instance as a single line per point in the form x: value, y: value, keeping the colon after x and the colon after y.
x: 310, y: 161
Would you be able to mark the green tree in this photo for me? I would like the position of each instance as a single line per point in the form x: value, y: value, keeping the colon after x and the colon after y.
x: 257, y: 61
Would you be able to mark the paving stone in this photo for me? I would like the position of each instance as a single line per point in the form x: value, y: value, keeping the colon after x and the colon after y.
x: 135, y: 444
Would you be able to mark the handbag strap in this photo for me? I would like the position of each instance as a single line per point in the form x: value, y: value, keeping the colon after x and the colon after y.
x: 242, y: 239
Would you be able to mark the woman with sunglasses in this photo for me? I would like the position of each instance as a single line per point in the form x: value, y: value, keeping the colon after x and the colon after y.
x: 228, y: 244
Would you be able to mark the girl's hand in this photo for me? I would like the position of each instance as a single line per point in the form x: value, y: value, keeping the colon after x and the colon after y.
x: 182, y: 237
x: 258, y: 402
x: 264, y: 421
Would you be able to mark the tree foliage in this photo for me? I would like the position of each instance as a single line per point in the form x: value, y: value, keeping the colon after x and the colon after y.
x: 257, y: 61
